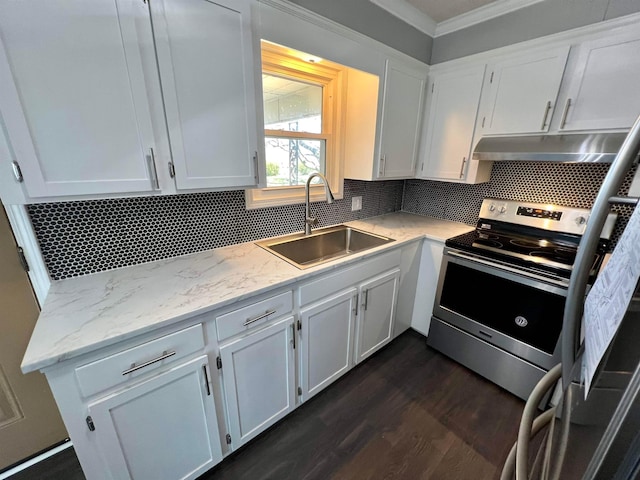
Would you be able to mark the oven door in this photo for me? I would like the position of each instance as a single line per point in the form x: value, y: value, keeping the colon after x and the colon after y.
x: 516, y: 312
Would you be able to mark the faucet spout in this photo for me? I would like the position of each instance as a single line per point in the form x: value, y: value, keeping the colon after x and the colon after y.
x: 310, y: 221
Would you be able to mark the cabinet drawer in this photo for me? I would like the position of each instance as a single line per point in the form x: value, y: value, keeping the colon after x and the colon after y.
x: 107, y: 372
x: 253, y: 315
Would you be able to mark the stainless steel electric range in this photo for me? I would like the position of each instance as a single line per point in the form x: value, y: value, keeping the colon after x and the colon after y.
x: 502, y: 289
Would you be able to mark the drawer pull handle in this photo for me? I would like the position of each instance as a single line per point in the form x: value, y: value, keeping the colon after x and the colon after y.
x: 135, y: 367
x: 249, y: 321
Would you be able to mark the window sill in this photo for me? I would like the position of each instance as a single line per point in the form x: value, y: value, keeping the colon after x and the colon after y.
x: 279, y: 196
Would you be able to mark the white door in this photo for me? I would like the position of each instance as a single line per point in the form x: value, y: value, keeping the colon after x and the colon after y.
x: 401, y: 115
x: 258, y: 373
x: 326, y: 341
x: 164, y: 428
x: 604, y: 91
x: 73, y: 95
x: 453, y: 102
x: 376, y: 313
x: 523, y: 92
x: 206, y: 61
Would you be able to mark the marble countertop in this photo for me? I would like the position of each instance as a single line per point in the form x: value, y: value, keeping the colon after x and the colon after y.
x: 83, y: 314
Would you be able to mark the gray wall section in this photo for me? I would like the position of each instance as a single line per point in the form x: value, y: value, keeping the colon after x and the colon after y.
x: 375, y: 22
x: 544, y: 18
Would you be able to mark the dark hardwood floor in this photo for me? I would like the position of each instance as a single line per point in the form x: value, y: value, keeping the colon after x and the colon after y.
x: 406, y: 413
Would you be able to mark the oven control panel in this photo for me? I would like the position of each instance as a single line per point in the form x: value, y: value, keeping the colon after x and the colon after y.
x: 539, y: 213
x: 546, y: 216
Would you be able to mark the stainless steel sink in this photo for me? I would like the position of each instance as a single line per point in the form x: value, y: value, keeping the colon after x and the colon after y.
x: 322, y: 246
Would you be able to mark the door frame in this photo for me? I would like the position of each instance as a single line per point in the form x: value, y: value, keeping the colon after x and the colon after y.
x: 26, y: 238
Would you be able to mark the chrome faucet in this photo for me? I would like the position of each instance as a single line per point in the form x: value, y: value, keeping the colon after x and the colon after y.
x: 310, y: 221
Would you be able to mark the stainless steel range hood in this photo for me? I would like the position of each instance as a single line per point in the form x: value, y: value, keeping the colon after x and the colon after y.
x: 570, y: 148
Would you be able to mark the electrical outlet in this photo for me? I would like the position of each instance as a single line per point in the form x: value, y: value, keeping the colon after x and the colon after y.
x: 356, y: 203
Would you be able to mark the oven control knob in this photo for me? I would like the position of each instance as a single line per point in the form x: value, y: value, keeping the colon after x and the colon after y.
x: 580, y: 220
x: 503, y: 209
x: 492, y: 208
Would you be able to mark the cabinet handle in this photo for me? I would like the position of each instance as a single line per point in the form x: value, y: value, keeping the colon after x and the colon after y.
x: 135, y: 367
x: 17, y: 172
x: 464, y: 161
x: 249, y: 321
x: 366, y: 299
x: 383, y: 161
x: 206, y: 379
x: 154, y: 170
x: 293, y: 335
x: 483, y: 120
x: 546, y: 114
x: 255, y: 165
x: 565, y: 113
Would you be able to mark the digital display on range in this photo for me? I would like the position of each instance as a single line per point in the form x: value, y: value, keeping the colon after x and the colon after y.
x: 539, y: 213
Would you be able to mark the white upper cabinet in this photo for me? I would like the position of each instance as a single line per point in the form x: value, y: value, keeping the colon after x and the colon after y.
x: 206, y: 61
x: 73, y: 96
x: 523, y: 91
x: 401, y: 115
x: 383, y: 120
x: 603, y: 91
x: 453, y: 99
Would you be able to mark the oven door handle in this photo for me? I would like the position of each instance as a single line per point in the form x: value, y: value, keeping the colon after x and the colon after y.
x: 526, y: 278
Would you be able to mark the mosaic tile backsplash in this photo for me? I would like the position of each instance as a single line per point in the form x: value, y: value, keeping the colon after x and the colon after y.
x: 573, y: 185
x: 78, y: 238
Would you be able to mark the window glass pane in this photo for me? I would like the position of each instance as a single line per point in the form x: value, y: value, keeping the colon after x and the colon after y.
x: 291, y: 105
x: 290, y: 161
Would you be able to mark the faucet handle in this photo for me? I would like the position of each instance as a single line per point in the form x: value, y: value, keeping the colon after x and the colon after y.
x: 313, y: 221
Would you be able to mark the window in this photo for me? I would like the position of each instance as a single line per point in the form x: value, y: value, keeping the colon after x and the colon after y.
x: 302, y: 97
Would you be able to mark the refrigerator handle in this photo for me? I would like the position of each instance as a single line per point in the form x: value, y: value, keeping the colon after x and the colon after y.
x: 574, y: 306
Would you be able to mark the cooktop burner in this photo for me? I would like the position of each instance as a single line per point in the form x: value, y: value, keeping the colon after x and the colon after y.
x: 540, y: 237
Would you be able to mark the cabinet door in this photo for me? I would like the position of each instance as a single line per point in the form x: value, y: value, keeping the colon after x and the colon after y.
x: 376, y: 313
x: 258, y: 373
x: 326, y: 341
x: 73, y: 96
x: 401, y: 115
x: 453, y: 107
x: 523, y: 92
x: 164, y: 428
x: 205, y: 55
x: 430, y: 262
x: 603, y: 91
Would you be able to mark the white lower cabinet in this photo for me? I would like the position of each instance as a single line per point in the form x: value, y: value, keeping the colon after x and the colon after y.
x: 326, y: 341
x: 151, y: 408
x: 163, y: 428
x: 376, y: 313
x: 258, y: 375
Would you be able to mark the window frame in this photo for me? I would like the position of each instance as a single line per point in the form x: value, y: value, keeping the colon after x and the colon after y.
x: 288, y: 63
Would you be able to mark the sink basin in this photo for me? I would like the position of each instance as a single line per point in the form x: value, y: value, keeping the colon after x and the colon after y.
x: 322, y: 245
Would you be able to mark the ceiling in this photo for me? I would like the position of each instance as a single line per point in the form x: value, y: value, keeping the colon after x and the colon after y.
x: 439, y: 17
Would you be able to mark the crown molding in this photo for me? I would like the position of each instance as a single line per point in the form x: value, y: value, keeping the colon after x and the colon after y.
x: 481, y: 14
x: 301, y: 13
x: 615, y: 26
x: 409, y: 14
